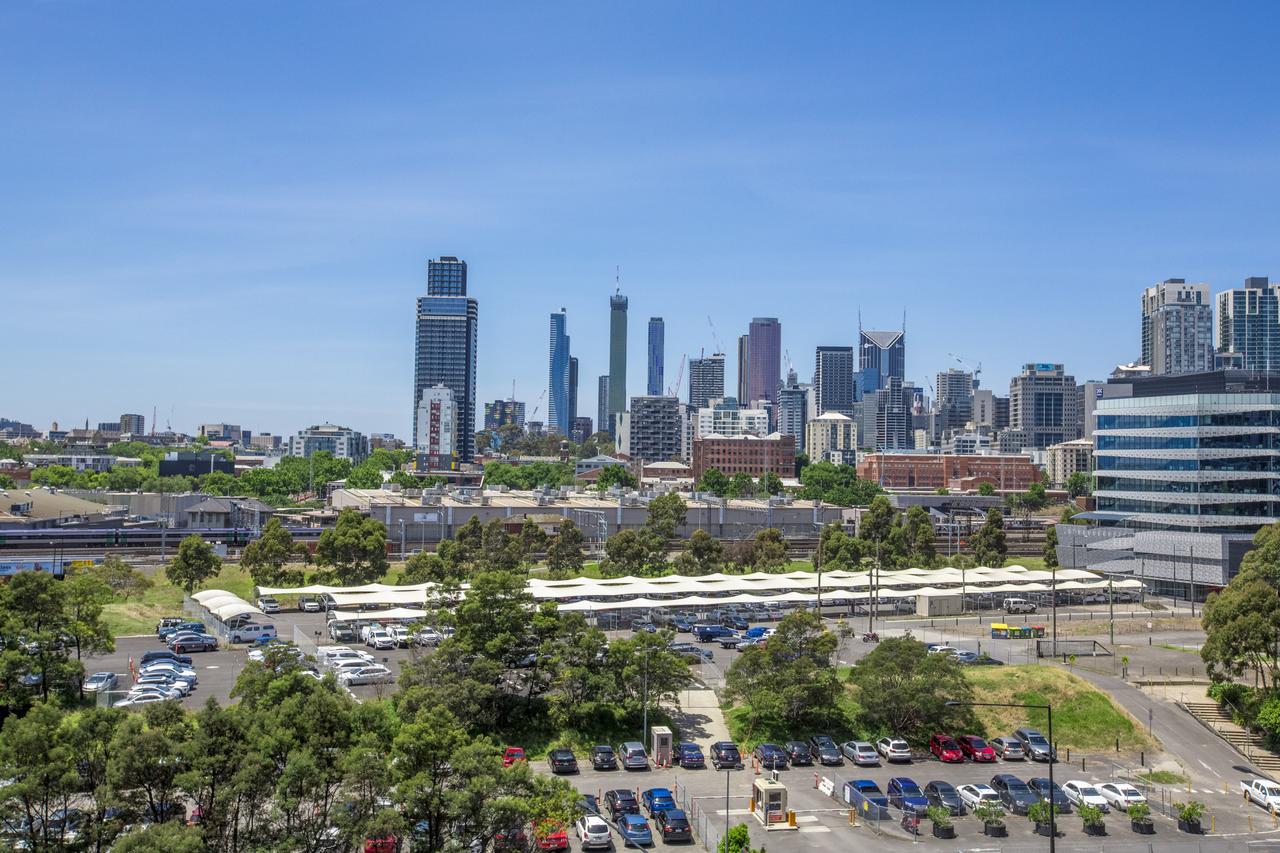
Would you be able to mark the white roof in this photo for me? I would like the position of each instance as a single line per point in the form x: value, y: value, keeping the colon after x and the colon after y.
x: 378, y: 615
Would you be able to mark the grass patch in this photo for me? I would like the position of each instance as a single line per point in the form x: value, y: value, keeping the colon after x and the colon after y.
x: 1084, y: 717
x: 1163, y: 777
x: 1174, y: 648
x: 842, y: 726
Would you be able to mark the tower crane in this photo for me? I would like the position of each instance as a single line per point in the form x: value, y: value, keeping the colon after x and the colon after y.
x: 976, y: 371
x: 715, y: 337
x: 674, y: 390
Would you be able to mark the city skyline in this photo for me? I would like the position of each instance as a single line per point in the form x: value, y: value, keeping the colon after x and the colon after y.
x: 190, y: 182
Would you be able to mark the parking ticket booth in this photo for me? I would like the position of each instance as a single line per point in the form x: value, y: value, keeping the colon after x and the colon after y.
x: 661, y: 745
x: 769, y: 803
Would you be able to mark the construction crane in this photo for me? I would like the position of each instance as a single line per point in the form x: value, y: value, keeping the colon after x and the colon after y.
x: 976, y: 371
x: 674, y: 390
x: 537, y: 405
x: 715, y: 337
x: 787, y: 355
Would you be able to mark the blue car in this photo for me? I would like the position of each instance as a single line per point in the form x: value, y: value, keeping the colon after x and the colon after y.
x: 867, y: 798
x: 635, y: 831
x: 657, y: 800
x: 759, y: 632
x: 690, y: 755
x: 906, y: 795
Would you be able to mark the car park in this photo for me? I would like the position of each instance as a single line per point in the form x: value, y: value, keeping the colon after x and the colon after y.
x: 635, y: 831
x: 1082, y: 793
x: 592, y: 831
x: 375, y: 674
x: 603, y: 757
x: 1009, y: 748
x: 798, y: 753
x: 893, y: 749
x: 132, y: 699
x: 1040, y: 785
x: 193, y: 643
x: 674, y: 825
x: 619, y: 802
x: 101, y: 681
x: 824, y: 749
x: 725, y: 754
x: 562, y: 761
x: 657, y: 800
x: 170, y: 622
x: 633, y: 756
x: 944, y: 795
x: 267, y: 604
x: 975, y: 795
x: 975, y: 748
x: 1035, y: 745
x: 1014, y: 793
x: 770, y: 756
x: 1121, y: 795
x: 689, y: 754
x: 511, y: 755
x: 861, y: 753
x: 904, y: 793
x: 865, y: 796
x: 945, y: 748
x: 309, y: 604
x: 163, y: 654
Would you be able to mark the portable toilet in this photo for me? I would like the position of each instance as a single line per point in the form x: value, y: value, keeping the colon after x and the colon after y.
x: 769, y: 802
x: 661, y: 745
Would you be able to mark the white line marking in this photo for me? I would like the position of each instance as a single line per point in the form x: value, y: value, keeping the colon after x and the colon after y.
x: 734, y: 811
x: 815, y: 829
x: 807, y: 818
x: 1210, y: 769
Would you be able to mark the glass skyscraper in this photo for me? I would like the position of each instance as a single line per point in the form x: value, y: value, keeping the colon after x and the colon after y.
x: 445, y: 346
x: 656, y: 344
x: 1249, y: 324
x: 881, y: 356
x: 764, y: 360
x: 834, y: 386
x: 559, y: 414
x: 617, y: 358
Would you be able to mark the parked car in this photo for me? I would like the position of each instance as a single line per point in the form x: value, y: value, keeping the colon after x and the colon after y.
x: 428, y: 637
x: 163, y: 654
x: 692, y: 653
x: 1009, y: 748
x: 169, y: 622
x: 904, y: 793
x: 736, y: 622
x: 824, y: 749
x: 603, y: 757
x: 1018, y: 605
x: 192, y: 642
x: 944, y: 795
x: 975, y: 748
x: 1082, y: 793
x: 166, y: 630
x: 725, y: 754
x: 341, y: 632
x: 867, y: 798
x: 704, y: 633
x: 657, y: 800
x: 633, y: 756
x: 771, y: 756
x: 975, y: 795
x: 512, y: 754
x: 381, y: 641
x: 562, y: 761
x: 731, y: 641
x: 945, y: 748
x: 1036, y: 745
x: 674, y: 825
x: 267, y: 604
x: 893, y: 749
x: 1042, y: 788
x: 861, y: 753
x: 309, y: 604
x: 798, y: 753
x: 689, y: 754
x: 619, y: 802
x: 251, y: 632
x: 635, y: 831
x: 101, y: 681
x: 1014, y: 793
x: 1121, y: 795
x: 550, y: 835
x: 375, y: 674
x: 592, y: 831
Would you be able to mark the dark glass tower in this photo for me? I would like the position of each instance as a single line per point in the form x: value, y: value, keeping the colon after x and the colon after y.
x: 445, y: 351
x: 617, y: 357
x: 657, y: 334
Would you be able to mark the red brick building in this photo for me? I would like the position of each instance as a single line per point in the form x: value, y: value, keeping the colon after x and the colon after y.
x: 937, y: 471
x: 745, y: 454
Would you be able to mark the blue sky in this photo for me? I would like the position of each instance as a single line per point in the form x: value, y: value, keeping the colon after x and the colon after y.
x: 224, y: 210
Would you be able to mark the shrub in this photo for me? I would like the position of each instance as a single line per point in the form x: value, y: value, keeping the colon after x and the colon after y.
x: 1040, y: 812
x: 1139, y: 812
x: 939, y: 816
x: 1190, y: 811
x: 1090, y: 815
x: 989, y: 814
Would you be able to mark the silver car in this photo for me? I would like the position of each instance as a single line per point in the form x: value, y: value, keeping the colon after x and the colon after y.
x: 893, y: 749
x: 376, y: 674
x: 100, y: 681
x: 860, y: 753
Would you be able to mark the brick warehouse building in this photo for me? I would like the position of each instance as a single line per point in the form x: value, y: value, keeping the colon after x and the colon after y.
x: 745, y: 454
x: 1007, y: 472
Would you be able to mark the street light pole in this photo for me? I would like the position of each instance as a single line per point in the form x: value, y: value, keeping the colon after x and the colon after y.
x: 725, y: 846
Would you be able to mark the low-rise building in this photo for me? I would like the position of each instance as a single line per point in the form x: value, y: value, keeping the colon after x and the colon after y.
x: 752, y: 455
x: 219, y: 512
x: 79, y: 461
x: 723, y: 417
x: 342, y: 442
x: 939, y: 471
x: 182, y: 463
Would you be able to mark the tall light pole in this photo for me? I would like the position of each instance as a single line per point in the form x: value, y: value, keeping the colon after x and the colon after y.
x: 1048, y: 709
x: 725, y: 848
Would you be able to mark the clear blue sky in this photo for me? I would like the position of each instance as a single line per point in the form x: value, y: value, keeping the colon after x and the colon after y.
x: 225, y: 209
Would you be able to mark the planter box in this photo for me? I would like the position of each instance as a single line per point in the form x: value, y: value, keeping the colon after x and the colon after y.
x: 1044, y: 829
x: 1095, y: 829
x: 995, y: 830
x: 1143, y: 827
x: 944, y: 831
x: 1191, y: 826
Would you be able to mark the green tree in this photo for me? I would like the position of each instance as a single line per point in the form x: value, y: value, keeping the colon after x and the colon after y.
x: 771, y: 550
x: 161, y: 838
x: 770, y: 484
x: 425, y: 567
x: 839, y: 550
x: 500, y: 550
x: 615, y: 475
x: 986, y: 490
x: 791, y: 682
x: 836, y: 484
x: 737, y: 840
x: 1079, y: 483
x: 355, y: 548
x: 267, y: 556
x: 1036, y: 498
x: 703, y: 554
x: 741, y: 486
x: 631, y: 552
x: 714, y: 481
x: 920, y: 537
x: 564, y: 554
x: 218, y: 483
x: 1242, y: 622
x: 989, y: 547
x: 666, y: 515
x: 533, y: 540
x: 194, y: 564
x: 7, y: 482
x: 904, y: 690
x: 124, y: 580
x: 365, y: 476
x: 1051, y: 547
x: 86, y: 596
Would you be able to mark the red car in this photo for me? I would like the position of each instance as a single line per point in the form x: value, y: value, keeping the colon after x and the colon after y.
x: 384, y: 844
x: 945, y: 748
x: 511, y: 755
x: 551, y: 836
x: 975, y: 748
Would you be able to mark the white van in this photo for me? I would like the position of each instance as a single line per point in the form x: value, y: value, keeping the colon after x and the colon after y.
x: 251, y: 632
x: 1018, y: 605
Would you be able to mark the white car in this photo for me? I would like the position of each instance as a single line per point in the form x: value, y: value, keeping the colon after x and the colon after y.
x: 975, y: 795
x: 1121, y: 795
x: 347, y: 655
x: 893, y: 749
x: 342, y: 665
x: 1084, y: 794
x: 939, y: 649
x: 161, y: 692
x: 860, y: 753
x: 428, y: 637
x: 381, y: 640
x: 175, y: 688
x: 268, y: 605
x: 592, y: 831
x: 376, y: 674
x: 131, y: 700
x: 181, y: 673
x: 400, y: 634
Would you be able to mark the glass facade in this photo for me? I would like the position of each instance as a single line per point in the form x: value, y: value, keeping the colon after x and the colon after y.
x: 559, y: 416
x: 617, y: 401
x: 446, y: 355
x: 657, y: 343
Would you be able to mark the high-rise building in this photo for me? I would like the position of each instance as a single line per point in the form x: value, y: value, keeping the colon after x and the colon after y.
x: 724, y: 417
x: 558, y: 419
x: 436, y: 442
x: 221, y: 432
x: 657, y: 335
x: 1177, y: 327
x: 954, y: 404
x: 573, y: 391
x: 603, y: 422
x: 581, y: 429
x: 1044, y: 402
x: 886, y: 417
x: 793, y: 409
x: 881, y: 356
x: 832, y: 437
x: 446, y: 344
x: 706, y: 380
x: 617, y: 357
x: 764, y: 359
x: 1249, y: 325
x: 744, y: 368
x: 834, y: 384
x: 656, y: 429
x: 501, y: 413
x: 133, y: 424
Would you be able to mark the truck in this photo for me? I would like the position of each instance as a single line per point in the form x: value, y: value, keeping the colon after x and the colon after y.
x: 1264, y: 792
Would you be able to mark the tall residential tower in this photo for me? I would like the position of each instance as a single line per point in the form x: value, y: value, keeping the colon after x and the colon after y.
x: 445, y: 347
x: 657, y: 333
x: 1177, y: 327
x: 559, y: 414
x: 617, y: 359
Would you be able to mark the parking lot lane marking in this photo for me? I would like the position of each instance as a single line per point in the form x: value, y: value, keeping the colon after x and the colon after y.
x: 815, y: 829
x: 1210, y: 769
x: 806, y: 818
x: 734, y: 811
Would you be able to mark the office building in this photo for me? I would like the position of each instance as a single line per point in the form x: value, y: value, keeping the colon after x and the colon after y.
x: 764, y: 359
x: 657, y: 334
x: 573, y: 391
x: 752, y: 455
x: 436, y: 443
x: 832, y: 437
x: 1249, y: 325
x: 446, y: 346
x: 744, y: 368
x: 1013, y: 473
x: 502, y: 413
x: 133, y: 424
x: 181, y: 463
x: 558, y: 419
x: 10, y: 429
x: 220, y: 432
x: 617, y: 358
x: 265, y: 441
x: 793, y: 409
x: 954, y: 404
x: 109, y: 426
x: 581, y: 430
x: 655, y: 429
x: 886, y: 417
x: 835, y: 387
x: 603, y: 422
x: 1044, y: 401
x: 340, y: 441
x: 1177, y: 327
x: 1069, y: 457
x: 706, y: 380
x: 723, y: 417
x: 881, y: 357
x: 967, y: 444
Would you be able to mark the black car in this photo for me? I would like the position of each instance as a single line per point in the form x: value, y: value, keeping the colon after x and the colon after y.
x: 619, y: 802
x: 689, y: 754
x: 825, y: 750
x: 562, y: 761
x: 771, y: 756
x: 1014, y: 793
x: 737, y: 623
x: 674, y: 825
x: 1040, y: 785
x: 682, y: 623
x: 944, y: 794
x: 603, y: 758
x: 725, y: 754
x: 798, y: 752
